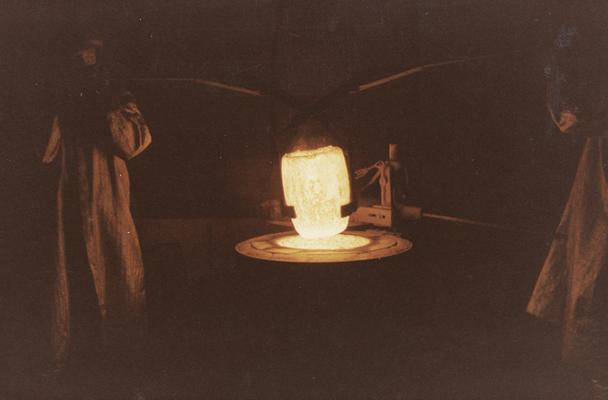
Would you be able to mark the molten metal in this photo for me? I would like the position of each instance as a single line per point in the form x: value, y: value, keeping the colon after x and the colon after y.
x: 317, y: 185
x: 336, y: 242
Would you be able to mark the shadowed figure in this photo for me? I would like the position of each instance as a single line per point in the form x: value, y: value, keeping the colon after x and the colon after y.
x: 572, y: 288
x: 98, y: 294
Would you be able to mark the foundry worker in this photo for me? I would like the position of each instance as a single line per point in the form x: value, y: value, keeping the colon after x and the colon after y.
x: 98, y: 292
x: 572, y: 289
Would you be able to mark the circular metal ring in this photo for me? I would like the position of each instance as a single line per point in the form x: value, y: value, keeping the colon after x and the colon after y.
x: 379, y: 244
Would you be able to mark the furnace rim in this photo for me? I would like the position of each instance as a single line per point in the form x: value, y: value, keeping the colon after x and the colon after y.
x: 381, y: 244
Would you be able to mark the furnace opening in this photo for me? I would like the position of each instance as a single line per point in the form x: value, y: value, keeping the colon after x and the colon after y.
x: 336, y: 242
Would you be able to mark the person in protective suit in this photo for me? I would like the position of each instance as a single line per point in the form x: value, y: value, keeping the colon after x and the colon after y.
x: 98, y: 289
x: 572, y: 289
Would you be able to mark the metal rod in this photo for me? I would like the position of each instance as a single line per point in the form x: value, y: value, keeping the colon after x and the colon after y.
x: 411, y: 71
x: 233, y: 88
x: 402, y: 74
x: 219, y: 85
x: 478, y: 223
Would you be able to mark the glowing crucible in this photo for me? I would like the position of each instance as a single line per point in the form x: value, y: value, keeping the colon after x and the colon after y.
x: 316, y: 183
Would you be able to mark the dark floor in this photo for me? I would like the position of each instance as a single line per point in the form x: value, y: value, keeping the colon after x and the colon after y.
x: 444, y: 321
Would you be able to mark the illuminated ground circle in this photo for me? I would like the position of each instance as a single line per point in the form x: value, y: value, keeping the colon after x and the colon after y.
x: 349, y: 246
x: 336, y: 242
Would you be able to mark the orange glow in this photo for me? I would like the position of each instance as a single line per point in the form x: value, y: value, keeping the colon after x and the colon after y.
x: 316, y: 184
x: 336, y: 242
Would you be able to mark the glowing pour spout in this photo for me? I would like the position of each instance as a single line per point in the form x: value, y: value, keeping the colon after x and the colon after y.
x: 316, y: 183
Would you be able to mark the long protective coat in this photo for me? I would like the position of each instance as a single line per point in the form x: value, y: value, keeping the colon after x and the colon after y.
x: 572, y: 288
x: 95, y: 230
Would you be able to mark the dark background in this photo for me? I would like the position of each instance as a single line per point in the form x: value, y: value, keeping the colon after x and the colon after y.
x: 475, y: 137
